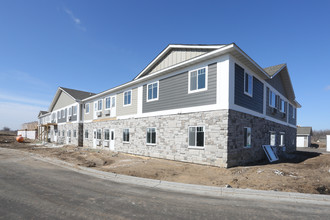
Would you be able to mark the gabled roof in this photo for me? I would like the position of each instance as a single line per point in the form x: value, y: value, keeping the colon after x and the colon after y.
x: 273, y: 70
x: 170, y: 47
x: 304, y: 130
x: 76, y: 95
x: 42, y: 113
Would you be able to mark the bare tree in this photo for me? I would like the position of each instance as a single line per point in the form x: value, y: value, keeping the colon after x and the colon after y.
x: 318, y: 134
x: 6, y: 129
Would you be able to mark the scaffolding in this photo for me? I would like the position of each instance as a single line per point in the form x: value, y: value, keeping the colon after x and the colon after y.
x: 43, y: 131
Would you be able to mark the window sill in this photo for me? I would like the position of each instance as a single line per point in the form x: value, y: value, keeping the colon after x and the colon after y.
x: 247, y: 147
x: 152, y: 100
x: 151, y: 144
x: 197, y: 90
x: 125, y: 142
x: 248, y: 94
x: 196, y: 148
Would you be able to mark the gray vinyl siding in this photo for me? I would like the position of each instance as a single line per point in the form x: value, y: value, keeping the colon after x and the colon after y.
x: 173, y: 93
x: 255, y: 102
x: 292, y: 120
x: 277, y: 83
x: 277, y: 115
x: 62, y: 101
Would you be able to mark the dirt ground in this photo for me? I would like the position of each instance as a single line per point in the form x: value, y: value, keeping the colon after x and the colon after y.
x: 304, y: 172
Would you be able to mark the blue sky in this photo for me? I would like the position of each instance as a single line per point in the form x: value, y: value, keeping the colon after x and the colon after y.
x: 96, y: 45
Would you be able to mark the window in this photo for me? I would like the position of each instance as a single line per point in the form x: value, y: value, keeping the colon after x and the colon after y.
x: 106, y: 134
x: 152, y: 93
x: 74, y: 133
x: 127, y: 97
x: 113, y: 102
x: 282, y: 141
x: 272, y: 99
x: 59, y: 133
x: 58, y: 114
x: 63, y: 133
x: 62, y: 113
x: 198, y: 80
x: 107, y: 102
x: 99, y: 105
x: 87, y: 108
x: 74, y: 110
x: 247, y: 137
x: 293, y: 112
x: 282, y: 105
x: 151, y: 135
x: 126, y: 135
x: 196, y: 136
x: 98, y: 134
x: 70, y: 111
x: 272, y: 139
x: 69, y: 133
x: 248, y: 84
x: 86, y: 134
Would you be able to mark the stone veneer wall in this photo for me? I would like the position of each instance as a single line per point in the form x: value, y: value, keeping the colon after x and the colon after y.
x: 260, y: 133
x: 172, y: 136
x: 69, y: 126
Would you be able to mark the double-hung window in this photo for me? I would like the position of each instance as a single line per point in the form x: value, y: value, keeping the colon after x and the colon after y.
x: 248, y: 84
x: 126, y: 135
x: 74, y: 133
x: 272, y: 99
x: 106, y: 134
x: 70, y: 111
x: 152, y: 93
x: 86, y: 134
x: 98, y: 134
x: 99, y: 105
x: 87, y: 108
x: 107, y: 102
x: 62, y: 113
x: 293, y: 112
x: 196, y: 136
x: 74, y: 110
x: 151, y: 135
x: 127, y: 97
x: 247, y: 137
x: 198, y: 80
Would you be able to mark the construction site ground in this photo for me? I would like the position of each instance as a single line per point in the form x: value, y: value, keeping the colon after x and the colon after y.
x: 302, y: 171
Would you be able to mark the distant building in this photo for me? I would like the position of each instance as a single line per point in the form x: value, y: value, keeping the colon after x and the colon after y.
x: 304, y: 135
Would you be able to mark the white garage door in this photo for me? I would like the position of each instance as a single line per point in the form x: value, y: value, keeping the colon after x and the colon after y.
x: 300, y: 142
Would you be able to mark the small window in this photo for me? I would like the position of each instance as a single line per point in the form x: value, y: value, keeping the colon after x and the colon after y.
x: 59, y: 133
x: 282, y: 107
x: 69, y: 133
x: 293, y: 112
x: 113, y: 102
x: 106, y: 134
x: 247, y: 137
x: 74, y: 110
x: 59, y: 115
x: 152, y: 93
x: 87, y: 108
x: 112, y: 135
x: 127, y: 97
x: 248, y: 84
x: 98, y: 134
x: 282, y: 141
x: 272, y: 99
x: 272, y: 139
x: 74, y: 133
x: 63, y: 133
x: 151, y: 135
x: 107, y: 103
x: 62, y: 113
x: 70, y: 111
x: 99, y: 105
x: 86, y: 134
x: 198, y: 80
x: 196, y: 136
x: 126, y: 135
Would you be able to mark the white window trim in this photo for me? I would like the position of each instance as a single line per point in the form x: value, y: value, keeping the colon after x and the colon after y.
x: 293, y: 112
x: 153, y: 144
x: 147, y: 90
x: 85, y: 134
x: 269, y: 97
x: 124, y: 97
x: 206, y: 80
x: 75, y: 106
x: 246, y: 93
x: 113, y: 100
x: 196, y: 147
x: 126, y: 142
x: 104, y: 134
x: 96, y: 134
x: 282, y: 100
x: 88, y: 108
x: 105, y: 102
x: 251, y: 137
x: 270, y: 134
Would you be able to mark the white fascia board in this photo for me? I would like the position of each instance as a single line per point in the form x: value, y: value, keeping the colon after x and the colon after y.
x: 57, y: 94
x: 176, y: 46
x: 201, y: 58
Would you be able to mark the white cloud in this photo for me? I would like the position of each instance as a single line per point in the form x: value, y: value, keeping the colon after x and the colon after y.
x: 22, y: 99
x: 13, y: 115
x: 74, y: 19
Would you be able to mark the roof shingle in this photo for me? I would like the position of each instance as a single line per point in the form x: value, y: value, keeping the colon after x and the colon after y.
x: 77, y: 94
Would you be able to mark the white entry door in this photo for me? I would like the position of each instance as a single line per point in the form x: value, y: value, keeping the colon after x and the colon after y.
x: 94, y: 138
x: 300, y: 142
x: 112, y: 139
